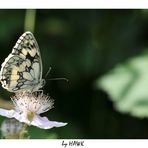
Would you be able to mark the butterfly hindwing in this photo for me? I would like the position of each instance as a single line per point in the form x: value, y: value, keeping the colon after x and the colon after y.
x: 22, y: 69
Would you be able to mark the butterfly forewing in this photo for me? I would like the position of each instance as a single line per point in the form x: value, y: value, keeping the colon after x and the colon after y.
x: 22, y: 69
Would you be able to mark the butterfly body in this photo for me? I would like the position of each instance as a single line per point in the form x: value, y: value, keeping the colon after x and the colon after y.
x: 22, y: 69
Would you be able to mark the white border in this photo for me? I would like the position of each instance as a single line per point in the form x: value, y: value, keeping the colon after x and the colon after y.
x: 73, y: 4
x: 48, y: 4
x: 87, y: 143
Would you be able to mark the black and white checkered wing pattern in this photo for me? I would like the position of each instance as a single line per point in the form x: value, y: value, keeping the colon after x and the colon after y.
x: 22, y: 69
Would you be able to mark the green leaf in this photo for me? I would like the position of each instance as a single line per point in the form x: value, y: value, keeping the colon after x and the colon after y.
x: 52, y: 136
x: 127, y: 86
x: 37, y: 133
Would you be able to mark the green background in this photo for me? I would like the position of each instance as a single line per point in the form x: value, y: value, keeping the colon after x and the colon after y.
x: 82, y: 46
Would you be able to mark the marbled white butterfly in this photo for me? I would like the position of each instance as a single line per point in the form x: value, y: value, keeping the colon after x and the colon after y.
x: 22, y: 69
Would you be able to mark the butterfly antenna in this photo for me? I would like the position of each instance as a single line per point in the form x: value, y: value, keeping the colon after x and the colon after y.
x: 59, y: 79
x: 48, y: 72
x: 54, y: 78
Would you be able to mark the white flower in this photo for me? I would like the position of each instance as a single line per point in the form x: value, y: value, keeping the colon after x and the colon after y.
x: 28, y: 106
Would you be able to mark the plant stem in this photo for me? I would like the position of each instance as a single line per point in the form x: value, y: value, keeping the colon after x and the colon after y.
x: 24, y: 133
x: 29, y: 24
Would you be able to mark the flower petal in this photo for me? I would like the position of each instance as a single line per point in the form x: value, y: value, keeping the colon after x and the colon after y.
x: 14, y: 114
x: 43, y: 122
x: 22, y: 118
x: 8, y: 113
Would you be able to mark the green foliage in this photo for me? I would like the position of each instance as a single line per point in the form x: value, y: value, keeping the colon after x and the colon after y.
x: 37, y: 133
x: 127, y: 86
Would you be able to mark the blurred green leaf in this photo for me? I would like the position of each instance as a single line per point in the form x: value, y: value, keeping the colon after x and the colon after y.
x: 52, y: 136
x: 37, y: 133
x: 127, y: 86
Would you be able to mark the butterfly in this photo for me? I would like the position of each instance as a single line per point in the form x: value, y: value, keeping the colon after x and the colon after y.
x: 22, y: 69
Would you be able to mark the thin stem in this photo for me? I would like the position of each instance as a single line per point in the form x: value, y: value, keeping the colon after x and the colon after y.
x: 24, y: 133
x: 29, y: 24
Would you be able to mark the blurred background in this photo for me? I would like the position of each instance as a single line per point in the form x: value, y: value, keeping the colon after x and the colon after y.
x: 98, y: 51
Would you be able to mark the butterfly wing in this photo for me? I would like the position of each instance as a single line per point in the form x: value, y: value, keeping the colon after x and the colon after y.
x: 22, y: 69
